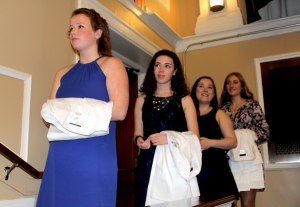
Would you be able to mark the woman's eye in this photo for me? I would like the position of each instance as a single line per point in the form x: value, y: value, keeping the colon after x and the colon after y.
x: 70, y: 29
x: 168, y: 66
x: 80, y: 26
x: 227, y: 83
x: 210, y: 88
x: 156, y: 65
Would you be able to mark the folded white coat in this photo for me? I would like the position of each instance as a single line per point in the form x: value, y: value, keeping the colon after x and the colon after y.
x: 76, y: 118
x: 246, y: 161
x: 174, y: 169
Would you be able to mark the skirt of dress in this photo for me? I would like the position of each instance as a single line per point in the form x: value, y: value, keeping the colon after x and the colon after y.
x: 80, y: 172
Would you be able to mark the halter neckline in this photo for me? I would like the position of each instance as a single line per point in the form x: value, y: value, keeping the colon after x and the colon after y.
x: 92, y: 61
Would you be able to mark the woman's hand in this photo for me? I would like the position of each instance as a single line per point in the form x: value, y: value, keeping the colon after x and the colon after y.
x: 158, y: 139
x: 205, y: 143
x: 143, y: 144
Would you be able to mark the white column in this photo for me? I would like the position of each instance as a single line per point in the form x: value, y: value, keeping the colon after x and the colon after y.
x: 228, y: 18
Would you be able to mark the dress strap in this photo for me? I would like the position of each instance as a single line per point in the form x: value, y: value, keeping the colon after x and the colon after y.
x: 100, y: 57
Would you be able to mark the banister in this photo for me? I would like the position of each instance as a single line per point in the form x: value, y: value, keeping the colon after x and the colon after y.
x: 19, y: 162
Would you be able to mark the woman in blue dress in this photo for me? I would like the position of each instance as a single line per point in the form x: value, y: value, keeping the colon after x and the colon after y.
x: 83, y: 172
x: 165, y: 105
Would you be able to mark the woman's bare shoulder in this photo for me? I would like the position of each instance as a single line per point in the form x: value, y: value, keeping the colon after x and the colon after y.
x: 110, y: 64
x: 61, y: 72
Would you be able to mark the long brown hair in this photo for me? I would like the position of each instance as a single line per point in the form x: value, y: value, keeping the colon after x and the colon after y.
x: 97, y: 22
x: 245, y: 92
x: 178, y: 83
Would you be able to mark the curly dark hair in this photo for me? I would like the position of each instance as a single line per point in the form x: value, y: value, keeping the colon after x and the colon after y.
x: 178, y: 83
x: 214, y: 101
x: 97, y: 22
x: 245, y: 92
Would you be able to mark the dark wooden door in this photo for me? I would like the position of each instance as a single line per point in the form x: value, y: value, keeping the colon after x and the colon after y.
x: 126, y: 150
x: 281, y: 84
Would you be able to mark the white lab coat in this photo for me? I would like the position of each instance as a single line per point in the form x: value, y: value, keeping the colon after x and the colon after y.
x: 246, y: 161
x: 76, y: 118
x: 174, y: 169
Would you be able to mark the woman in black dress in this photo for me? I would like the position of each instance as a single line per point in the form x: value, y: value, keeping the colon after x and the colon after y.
x: 217, y: 136
x: 164, y: 105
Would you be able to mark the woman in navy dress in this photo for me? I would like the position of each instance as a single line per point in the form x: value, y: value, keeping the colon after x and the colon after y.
x: 165, y: 105
x: 217, y: 136
x: 83, y: 172
x: 245, y: 113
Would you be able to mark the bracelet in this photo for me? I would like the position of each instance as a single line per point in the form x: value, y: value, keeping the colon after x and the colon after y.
x: 135, y: 139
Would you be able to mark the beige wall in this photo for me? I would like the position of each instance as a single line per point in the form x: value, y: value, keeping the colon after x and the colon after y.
x: 219, y: 61
x: 282, y: 187
x: 34, y: 41
x: 132, y: 20
x: 188, y: 12
x: 11, y: 99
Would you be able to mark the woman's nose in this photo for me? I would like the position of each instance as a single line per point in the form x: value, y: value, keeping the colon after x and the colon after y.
x: 72, y: 31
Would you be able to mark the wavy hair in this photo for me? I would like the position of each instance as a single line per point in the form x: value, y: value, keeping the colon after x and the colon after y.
x: 178, y: 83
x: 213, y: 102
x: 245, y: 92
x: 97, y: 22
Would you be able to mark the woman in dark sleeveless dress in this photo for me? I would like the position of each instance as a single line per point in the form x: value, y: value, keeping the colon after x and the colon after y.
x: 165, y: 105
x: 83, y: 172
x: 217, y: 136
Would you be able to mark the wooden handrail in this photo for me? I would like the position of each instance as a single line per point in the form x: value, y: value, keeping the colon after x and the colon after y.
x: 11, y: 156
x: 202, y: 201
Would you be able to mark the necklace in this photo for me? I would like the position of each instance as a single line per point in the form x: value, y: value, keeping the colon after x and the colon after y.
x: 160, y: 102
x: 236, y: 108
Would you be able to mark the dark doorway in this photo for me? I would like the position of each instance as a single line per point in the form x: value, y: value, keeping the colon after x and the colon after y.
x: 281, y: 84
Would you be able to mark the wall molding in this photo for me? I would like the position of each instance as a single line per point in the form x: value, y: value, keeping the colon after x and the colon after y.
x: 23, y: 202
x: 265, y: 153
x: 165, y: 4
x: 26, y: 107
x: 182, y: 44
x: 152, y: 20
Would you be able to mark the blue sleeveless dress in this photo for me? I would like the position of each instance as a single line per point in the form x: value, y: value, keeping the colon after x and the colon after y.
x: 81, y: 172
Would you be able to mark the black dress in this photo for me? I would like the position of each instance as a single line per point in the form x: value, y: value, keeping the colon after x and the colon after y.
x: 171, y: 117
x: 215, y: 178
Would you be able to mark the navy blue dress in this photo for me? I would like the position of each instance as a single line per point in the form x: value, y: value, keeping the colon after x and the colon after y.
x: 81, y: 172
x: 171, y: 117
x: 215, y: 177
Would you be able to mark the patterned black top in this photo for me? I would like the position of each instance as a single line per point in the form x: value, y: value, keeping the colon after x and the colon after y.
x: 171, y: 117
x: 249, y: 116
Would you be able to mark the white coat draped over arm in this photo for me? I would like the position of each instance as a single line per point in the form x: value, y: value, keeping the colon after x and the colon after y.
x: 174, y: 169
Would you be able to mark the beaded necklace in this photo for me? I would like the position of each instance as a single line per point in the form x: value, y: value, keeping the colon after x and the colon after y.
x: 160, y: 102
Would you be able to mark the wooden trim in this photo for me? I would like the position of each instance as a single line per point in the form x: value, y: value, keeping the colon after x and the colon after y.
x: 216, y: 202
x: 200, y: 201
x: 11, y: 156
